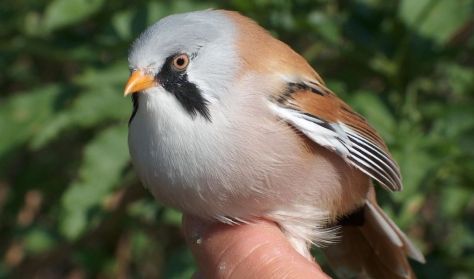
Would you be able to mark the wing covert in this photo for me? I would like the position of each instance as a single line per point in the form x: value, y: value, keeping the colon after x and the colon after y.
x: 324, y: 118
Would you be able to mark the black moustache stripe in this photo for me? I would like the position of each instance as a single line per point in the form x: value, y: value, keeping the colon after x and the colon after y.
x: 135, y: 107
x: 186, y: 92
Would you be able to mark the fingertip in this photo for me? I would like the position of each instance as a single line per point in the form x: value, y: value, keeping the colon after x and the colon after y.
x: 249, y: 250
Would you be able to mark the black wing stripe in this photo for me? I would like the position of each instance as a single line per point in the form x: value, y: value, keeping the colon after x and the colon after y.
x: 367, y: 170
x: 377, y: 155
x: 318, y: 121
x: 365, y: 155
x: 382, y: 167
x: 377, y: 167
x: 369, y: 166
x: 378, y: 152
x: 369, y: 134
x: 355, y: 146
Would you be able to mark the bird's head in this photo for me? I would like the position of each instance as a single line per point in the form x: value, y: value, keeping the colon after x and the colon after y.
x: 198, y: 58
x: 190, y: 56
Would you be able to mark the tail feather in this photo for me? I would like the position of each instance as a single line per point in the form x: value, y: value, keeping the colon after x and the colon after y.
x: 410, y: 249
x: 373, y: 247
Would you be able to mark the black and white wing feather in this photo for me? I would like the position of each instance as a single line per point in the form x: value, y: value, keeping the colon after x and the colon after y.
x: 328, y: 121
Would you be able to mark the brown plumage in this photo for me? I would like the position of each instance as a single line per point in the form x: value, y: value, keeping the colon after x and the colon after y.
x: 276, y: 143
x: 376, y: 248
x: 373, y: 247
x: 315, y: 100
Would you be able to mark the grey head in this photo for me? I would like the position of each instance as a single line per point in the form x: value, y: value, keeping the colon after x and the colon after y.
x: 191, y: 56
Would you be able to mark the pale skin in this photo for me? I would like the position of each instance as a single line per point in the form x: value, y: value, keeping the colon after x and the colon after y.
x: 257, y: 250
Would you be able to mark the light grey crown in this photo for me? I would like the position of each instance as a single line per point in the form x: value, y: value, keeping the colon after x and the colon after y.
x: 208, y: 37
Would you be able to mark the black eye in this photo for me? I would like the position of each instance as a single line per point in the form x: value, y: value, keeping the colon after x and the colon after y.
x: 180, y: 62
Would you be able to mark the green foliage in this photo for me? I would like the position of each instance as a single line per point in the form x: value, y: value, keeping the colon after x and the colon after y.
x: 105, y: 156
x: 62, y: 13
x: 424, y: 17
x: 70, y: 204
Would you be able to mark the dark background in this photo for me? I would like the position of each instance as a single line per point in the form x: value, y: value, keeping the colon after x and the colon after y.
x: 70, y: 203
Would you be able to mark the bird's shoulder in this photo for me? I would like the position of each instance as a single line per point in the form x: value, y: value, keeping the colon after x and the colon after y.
x: 318, y: 113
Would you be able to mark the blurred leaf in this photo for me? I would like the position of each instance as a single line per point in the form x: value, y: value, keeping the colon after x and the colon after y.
x: 122, y: 23
x: 411, y: 11
x: 410, y: 209
x: 140, y: 243
x: 459, y: 238
x: 147, y: 253
x: 325, y: 26
x: 424, y: 16
x: 180, y: 265
x: 104, y: 159
x: 146, y: 210
x: 383, y: 64
x: 172, y: 217
x: 456, y: 121
x: 102, y: 100
x: 455, y: 199
x: 90, y: 109
x: 27, y: 113
x: 461, y: 78
x: 415, y: 162
x: 114, y: 75
x: 62, y: 13
x: 38, y: 240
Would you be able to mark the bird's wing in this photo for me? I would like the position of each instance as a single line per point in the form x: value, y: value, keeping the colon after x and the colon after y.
x: 319, y: 114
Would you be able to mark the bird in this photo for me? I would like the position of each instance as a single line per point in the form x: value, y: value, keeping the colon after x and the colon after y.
x: 230, y: 124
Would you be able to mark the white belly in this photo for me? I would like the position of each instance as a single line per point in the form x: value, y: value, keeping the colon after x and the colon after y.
x: 241, y: 165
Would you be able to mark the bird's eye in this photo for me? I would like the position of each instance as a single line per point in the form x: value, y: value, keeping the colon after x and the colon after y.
x: 180, y: 62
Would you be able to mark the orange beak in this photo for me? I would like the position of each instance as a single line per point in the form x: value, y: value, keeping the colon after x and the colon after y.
x: 138, y: 81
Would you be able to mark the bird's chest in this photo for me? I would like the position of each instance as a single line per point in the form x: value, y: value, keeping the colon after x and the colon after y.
x: 192, y: 163
x: 165, y: 146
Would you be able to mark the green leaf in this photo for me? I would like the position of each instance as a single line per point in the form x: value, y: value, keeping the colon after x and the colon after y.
x: 180, y: 265
x: 114, y: 75
x: 26, y: 114
x: 411, y: 11
x: 91, y: 108
x: 122, y: 23
x: 455, y: 199
x: 140, y: 242
x: 61, y: 13
x: 410, y: 209
x: 327, y: 27
x: 145, y: 210
x: 424, y: 17
x: 172, y: 217
x: 415, y: 161
x: 101, y: 100
x: 38, y: 240
x: 104, y: 159
x: 461, y: 78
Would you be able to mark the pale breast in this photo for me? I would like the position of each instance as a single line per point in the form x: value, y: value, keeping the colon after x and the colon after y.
x: 243, y: 163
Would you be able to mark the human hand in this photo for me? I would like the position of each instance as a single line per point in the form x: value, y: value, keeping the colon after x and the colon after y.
x: 258, y: 250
